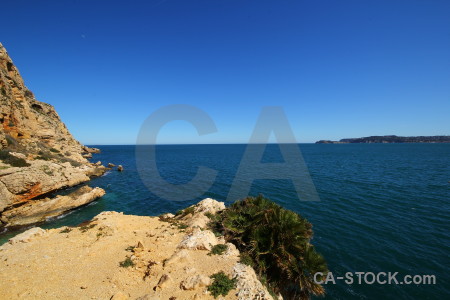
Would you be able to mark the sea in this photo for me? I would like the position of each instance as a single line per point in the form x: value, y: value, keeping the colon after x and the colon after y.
x: 383, y: 207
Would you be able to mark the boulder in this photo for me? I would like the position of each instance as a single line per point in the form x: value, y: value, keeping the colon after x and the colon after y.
x: 199, y: 240
x: 119, y: 168
x: 195, y: 281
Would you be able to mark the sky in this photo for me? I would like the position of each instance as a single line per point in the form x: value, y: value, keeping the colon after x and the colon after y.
x: 339, y: 69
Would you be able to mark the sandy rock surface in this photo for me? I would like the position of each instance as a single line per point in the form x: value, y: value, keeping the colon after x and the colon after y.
x: 85, y: 262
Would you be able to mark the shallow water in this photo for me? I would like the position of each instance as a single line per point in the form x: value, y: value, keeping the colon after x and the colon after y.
x: 384, y: 207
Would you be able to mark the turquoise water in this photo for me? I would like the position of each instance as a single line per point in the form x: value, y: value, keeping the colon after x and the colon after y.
x: 383, y: 208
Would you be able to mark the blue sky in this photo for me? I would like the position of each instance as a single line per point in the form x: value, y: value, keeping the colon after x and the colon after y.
x: 338, y: 68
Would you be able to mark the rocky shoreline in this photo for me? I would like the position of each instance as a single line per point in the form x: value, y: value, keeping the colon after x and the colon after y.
x: 116, y: 256
x: 38, y: 156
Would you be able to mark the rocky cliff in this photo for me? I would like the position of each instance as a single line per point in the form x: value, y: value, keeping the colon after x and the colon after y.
x: 38, y: 155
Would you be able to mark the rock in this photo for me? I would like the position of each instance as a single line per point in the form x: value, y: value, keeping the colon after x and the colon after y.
x: 91, y: 150
x: 119, y: 296
x: 99, y: 163
x: 209, y: 205
x: 18, y: 155
x: 110, y: 165
x: 167, y: 216
x: 199, y: 240
x: 195, y: 281
x: 248, y: 286
x: 27, y: 236
x: 38, y: 211
x: 119, y: 168
x: 96, y: 171
x: 33, y: 131
x: 163, y: 281
x: 231, y: 250
x: 177, y: 257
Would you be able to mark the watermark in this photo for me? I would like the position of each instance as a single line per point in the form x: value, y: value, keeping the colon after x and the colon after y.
x: 272, y: 119
x: 374, y: 278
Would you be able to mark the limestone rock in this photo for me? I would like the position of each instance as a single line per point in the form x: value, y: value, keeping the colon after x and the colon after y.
x: 209, y: 205
x: 195, y: 281
x: 248, y: 286
x: 199, y: 240
x: 163, y: 281
x: 119, y: 168
x: 177, y: 257
x: 32, y: 131
x: 27, y: 236
x: 40, y: 210
x: 119, y: 296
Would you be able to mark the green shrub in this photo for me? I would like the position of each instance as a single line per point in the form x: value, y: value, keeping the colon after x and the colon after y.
x: 185, y: 212
x: 127, y: 263
x: 3, y: 91
x: 66, y: 230
x: 29, y: 93
x: 54, y: 150
x: 181, y: 226
x: 12, y: 160
x: 44, y: 156
x: 218, y: 249
x: 130, y: 248
x: 85, y: 228
x: 278, y: 243
x: 11, y: 141
x: 246, y: 260
x: 221, y: 285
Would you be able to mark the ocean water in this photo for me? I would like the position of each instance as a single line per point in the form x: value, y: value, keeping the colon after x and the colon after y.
x: 383, y: 208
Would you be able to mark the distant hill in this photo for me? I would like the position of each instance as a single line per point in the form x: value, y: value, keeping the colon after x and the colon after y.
x: 391, y: 139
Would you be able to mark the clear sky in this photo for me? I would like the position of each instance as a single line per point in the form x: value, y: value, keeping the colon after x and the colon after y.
x: 338, y: 68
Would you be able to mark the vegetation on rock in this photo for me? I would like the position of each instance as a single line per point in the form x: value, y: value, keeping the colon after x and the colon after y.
x: 127, y: 263
x: 276, y: 242
x: 218, y: 249
x: 12, y: 160
x: 221, y: 285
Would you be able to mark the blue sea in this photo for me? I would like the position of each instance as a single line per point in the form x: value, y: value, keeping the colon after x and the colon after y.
x: 382, y: 208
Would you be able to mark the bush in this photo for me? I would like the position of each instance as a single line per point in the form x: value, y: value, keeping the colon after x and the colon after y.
x: 29, y: 93
x: 185, y: 212
x: 277, y: 241
x: 66, y: 230
x: 11, y: 141
x: 221, y: 285
x: 11, y: 160
x: 54, y: 150
x: 127, y: 263
x: 246, y: 260
x: 218, y: 249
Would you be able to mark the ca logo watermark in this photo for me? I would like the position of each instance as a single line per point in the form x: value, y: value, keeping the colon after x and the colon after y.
x: 272, y: 119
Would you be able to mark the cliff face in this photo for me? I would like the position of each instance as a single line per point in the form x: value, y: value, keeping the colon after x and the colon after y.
x: 33, y: 124
x: 38, y: 154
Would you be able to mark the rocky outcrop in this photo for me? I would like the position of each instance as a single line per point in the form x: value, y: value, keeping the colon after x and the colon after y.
x: 116, y: 256
x: 38, y: 155
x: 41, y: 210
